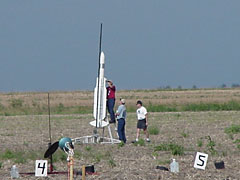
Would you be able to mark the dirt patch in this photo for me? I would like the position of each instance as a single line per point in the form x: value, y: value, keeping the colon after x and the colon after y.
x: 30, y: 133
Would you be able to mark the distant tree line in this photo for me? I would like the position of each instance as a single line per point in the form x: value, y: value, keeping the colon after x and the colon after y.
x: 234, y: 85
x: 179, y: 87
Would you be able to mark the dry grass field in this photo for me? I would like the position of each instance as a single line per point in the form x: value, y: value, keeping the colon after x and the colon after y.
x: 79, y: 102
x: 85, y: 98
x: 24, y: 138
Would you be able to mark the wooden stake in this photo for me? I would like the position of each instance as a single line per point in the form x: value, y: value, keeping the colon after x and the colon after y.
x: 83, y: 172
x: 71, y: 168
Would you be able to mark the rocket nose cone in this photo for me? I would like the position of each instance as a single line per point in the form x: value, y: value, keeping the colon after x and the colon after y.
x: 102, y: 58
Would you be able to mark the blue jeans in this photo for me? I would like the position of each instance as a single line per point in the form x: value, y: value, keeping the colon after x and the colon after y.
x: 110, y: 106
x: 121, y: 130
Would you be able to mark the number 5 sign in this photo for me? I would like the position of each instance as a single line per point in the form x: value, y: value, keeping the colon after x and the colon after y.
x: 41, y: 168
x: 200, y: 161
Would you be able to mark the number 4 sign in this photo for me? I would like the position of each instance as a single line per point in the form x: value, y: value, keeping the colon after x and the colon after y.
x: 200, y: 161
x: 41, y: 168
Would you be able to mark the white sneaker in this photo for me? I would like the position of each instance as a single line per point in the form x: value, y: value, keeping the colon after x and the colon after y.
x: 148, y: 140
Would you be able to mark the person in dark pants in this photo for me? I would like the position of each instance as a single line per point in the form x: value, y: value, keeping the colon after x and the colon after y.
x: 111, y: 89
x: 121, y: 118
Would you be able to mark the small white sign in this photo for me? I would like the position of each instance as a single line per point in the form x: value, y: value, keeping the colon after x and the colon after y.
x: 200, y: 160
x: 41, y: 167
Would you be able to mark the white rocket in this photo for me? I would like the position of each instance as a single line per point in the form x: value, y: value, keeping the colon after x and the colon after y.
x: 99, y: 107
x: 100, y: 97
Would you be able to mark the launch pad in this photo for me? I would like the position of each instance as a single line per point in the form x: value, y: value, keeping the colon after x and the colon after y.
x: 93, y: 140
x: 96, y: 138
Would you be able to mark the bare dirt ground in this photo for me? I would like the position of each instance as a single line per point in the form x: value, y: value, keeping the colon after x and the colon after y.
x: 30, y: 134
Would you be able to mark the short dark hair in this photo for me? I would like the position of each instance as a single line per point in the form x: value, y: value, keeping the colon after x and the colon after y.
x: 139, y: 102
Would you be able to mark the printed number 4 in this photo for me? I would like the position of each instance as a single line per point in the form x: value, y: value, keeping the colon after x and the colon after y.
x: 43, y: 167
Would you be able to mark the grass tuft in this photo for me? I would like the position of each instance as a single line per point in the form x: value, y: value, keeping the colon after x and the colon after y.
x: 16, y: 103
x: 200, y: 143
x: 59, y: 156
x: 8, y: 154
x: 211, y: 146
x: 140, y: 142
x: 184, y: 134
x: 153, y: 130
x: 121, y: 144
x: 161, y: 108
x: 233, y: 129
x: 238, y: 146
x: 98, y: 157
x: 164, y: 162
x: 88, y: 148
x: 175, y: 149
x: 19, y: 157
x: 237, y: 141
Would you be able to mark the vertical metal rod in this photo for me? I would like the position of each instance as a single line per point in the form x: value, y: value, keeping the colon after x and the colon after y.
x: 49, y: 120
x: 99, y: 56
x: 50, y: 133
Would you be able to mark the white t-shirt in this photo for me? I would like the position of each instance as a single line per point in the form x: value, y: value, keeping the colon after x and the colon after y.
x: 141, y: 113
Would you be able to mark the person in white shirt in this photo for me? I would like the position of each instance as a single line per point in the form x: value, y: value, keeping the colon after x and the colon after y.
x: 142, y: 120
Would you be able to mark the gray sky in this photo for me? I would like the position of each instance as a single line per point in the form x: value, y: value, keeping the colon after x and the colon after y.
x: 53, y: 44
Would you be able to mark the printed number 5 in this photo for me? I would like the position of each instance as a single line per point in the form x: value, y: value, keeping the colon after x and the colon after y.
x: 199, y: 157
x: 201, y: 160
